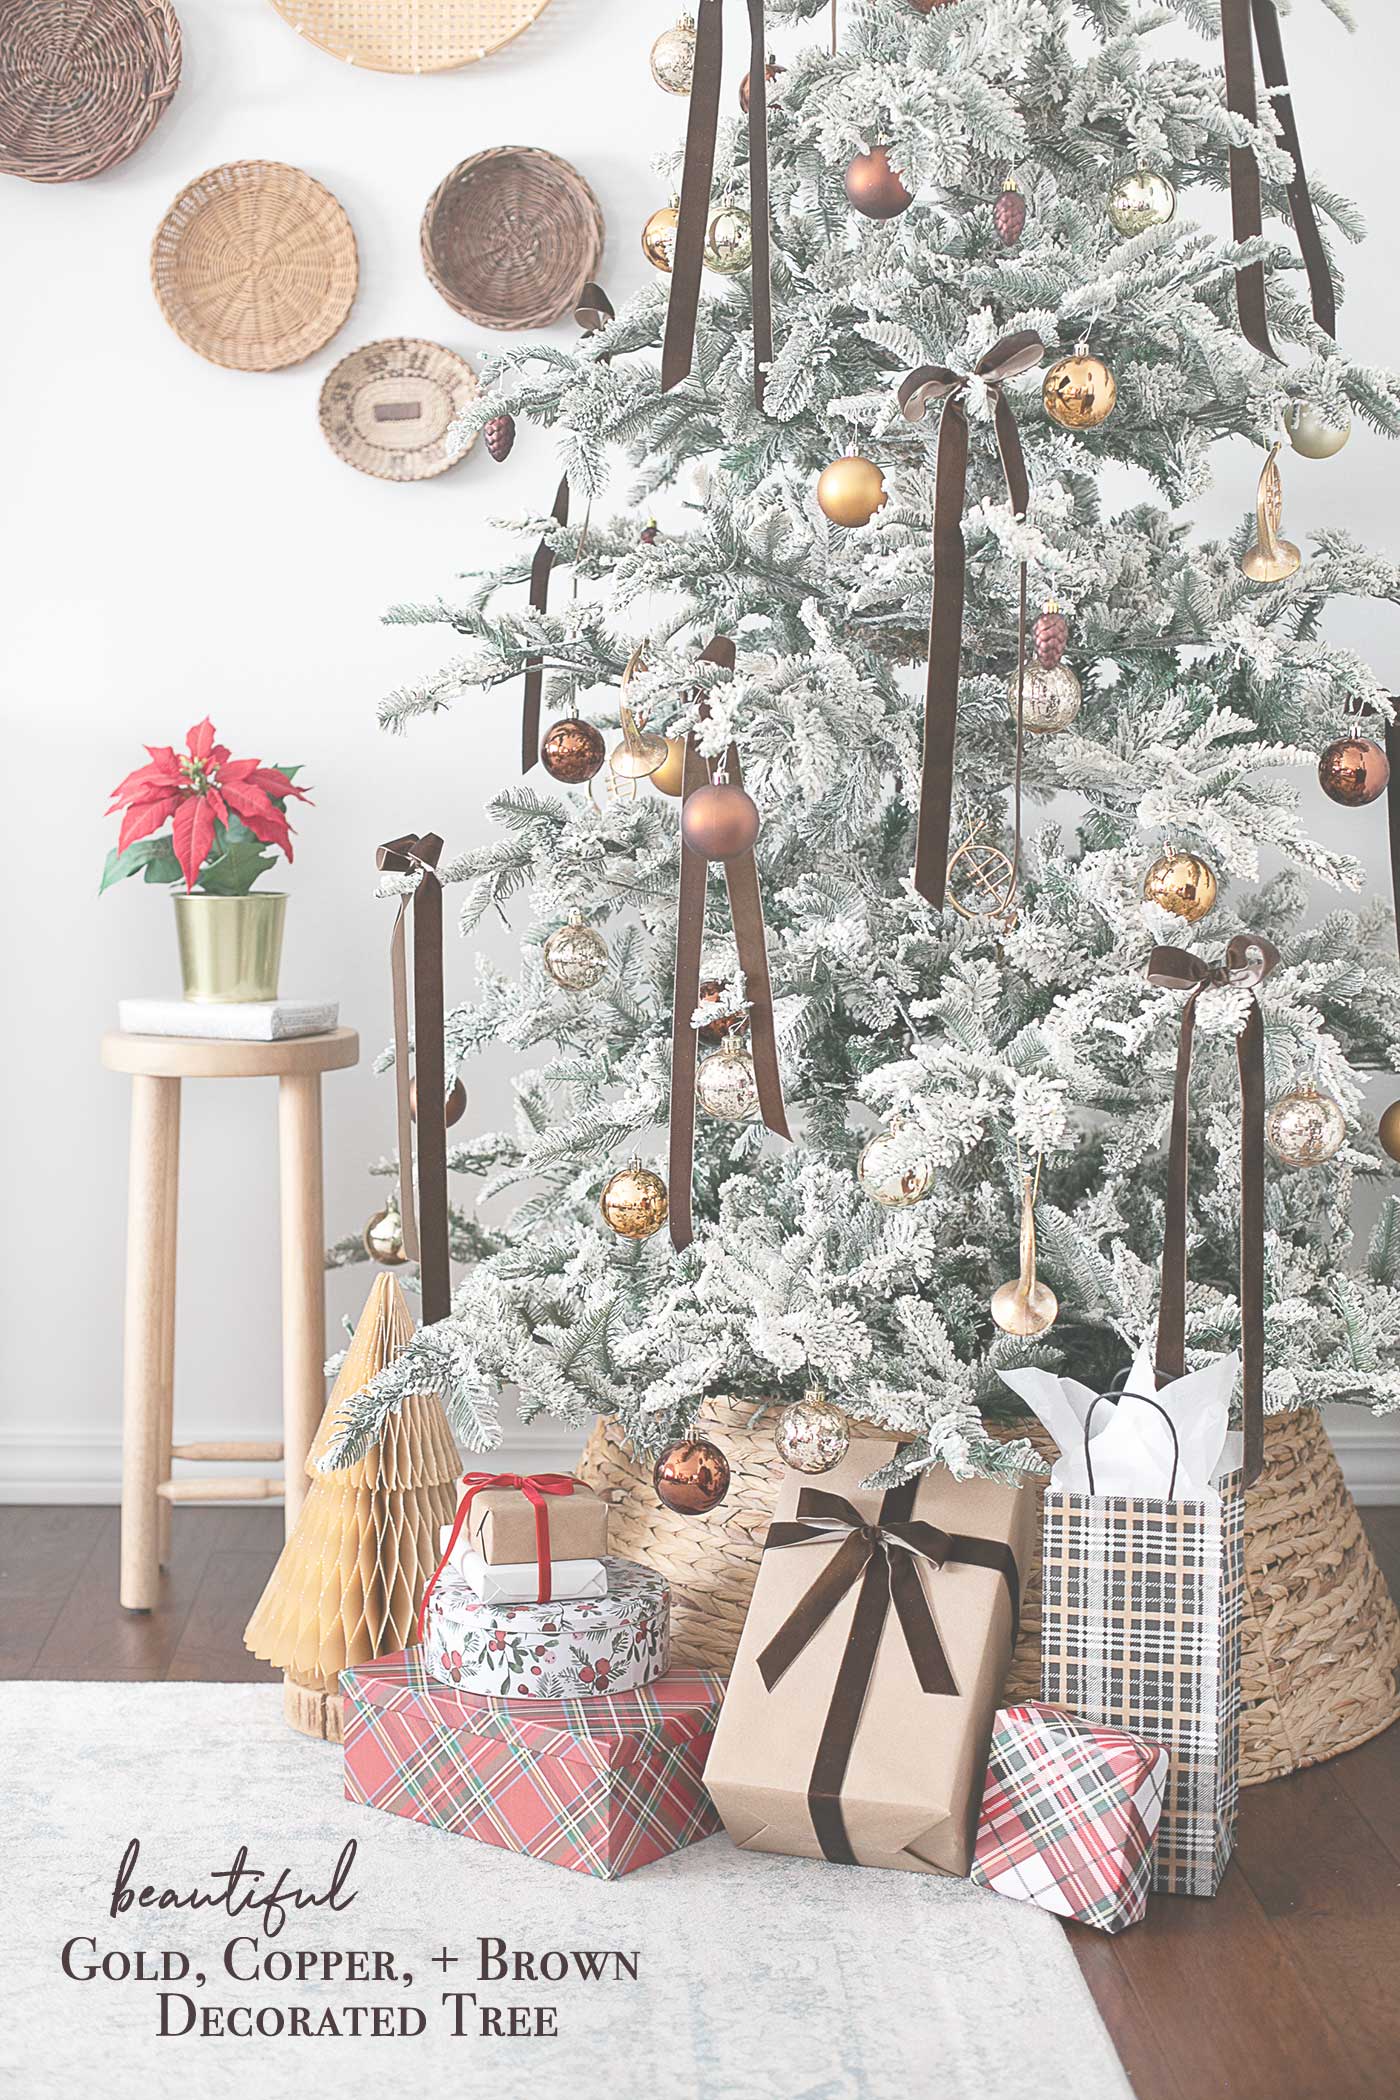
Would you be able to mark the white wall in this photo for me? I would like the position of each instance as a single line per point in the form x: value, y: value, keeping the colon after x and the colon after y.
x: 178, y: 540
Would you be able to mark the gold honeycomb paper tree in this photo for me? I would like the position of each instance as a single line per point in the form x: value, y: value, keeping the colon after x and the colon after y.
x: 350, y: 1578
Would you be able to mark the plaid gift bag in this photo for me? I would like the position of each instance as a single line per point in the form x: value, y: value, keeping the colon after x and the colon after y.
x: 1069, y: 1816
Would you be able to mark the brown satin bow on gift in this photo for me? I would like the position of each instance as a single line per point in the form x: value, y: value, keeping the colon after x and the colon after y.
x: 683, y: 309
x: 424, y: 1210
x: 1248, y: 961
x: 593, y: 311
x: 1245, y: 24
x: 1014, y: 354
x: 882, y: 1556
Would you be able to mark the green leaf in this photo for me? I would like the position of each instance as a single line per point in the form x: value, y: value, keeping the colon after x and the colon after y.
x: 236, y: 863
x: 156, y: 856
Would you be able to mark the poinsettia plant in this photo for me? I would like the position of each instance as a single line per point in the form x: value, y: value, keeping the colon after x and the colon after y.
x: 225, y: 816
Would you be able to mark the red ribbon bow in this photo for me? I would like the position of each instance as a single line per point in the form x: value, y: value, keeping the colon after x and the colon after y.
x: 535, y: 1487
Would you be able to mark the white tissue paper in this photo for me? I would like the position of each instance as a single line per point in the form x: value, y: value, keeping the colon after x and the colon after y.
x: 1129, y: 1443
x: 518, y: 1581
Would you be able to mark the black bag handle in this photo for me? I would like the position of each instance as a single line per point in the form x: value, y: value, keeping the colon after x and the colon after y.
x: 1147, y: 1401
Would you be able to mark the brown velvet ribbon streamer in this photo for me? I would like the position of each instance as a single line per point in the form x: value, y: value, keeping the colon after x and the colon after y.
x: 683, y: 310
x: 593, y: 311
x: 1016, y: 353
x: 883, y: 1558
x: 751, y: 942
x: 1247, y: 25
x: 1392, y: 808
x: 424, y: 1211
x: 1248, y: 960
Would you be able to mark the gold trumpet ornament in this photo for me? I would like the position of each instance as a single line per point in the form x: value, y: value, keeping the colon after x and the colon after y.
x: 640, y: 754
x: 1026, y: 1307
x: 1271, y: 558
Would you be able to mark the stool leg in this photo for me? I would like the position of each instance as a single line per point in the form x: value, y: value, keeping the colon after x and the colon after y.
x: 167, y: 1366
x: 150, y: 1234
x: 303, y: 1278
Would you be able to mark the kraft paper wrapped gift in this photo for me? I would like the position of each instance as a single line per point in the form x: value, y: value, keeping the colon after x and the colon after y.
x: 859, y: 1712
x: 501, y: 1523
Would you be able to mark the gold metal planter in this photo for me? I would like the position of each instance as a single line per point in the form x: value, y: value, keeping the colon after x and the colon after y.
x: 230, y: 947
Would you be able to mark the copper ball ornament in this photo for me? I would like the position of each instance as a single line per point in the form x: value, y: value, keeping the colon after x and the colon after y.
x: 1309, y: 432
x: 668, y: 775
x: 572, y: 751
x: 383, y: 1238
x: 659, y: 237
x: 673, y: 57
x: 634, y: 1202
x: 772, y: 73
x: 454, y: 1105
x: 1049, y: 699
x: 1079, y: 392
x: 1353, y: 771
x: 719, y: 821
x: 874, y: 188
x: 692, y: 1478
x: 1139, y: 200
x: 1181, y: 883
x: 1388, y: 1130
x: 851, y: 490
x: 811, y: 1435
x: 1304, y: 1128
x: 576, y: 955
x: 711, y: 990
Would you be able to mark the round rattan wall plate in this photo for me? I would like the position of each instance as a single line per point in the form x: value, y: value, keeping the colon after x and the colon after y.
x: 254, y: 265
x: 387, y: 406
x: 511, y: 237
x: 82, y: 82
x: 409, y: 36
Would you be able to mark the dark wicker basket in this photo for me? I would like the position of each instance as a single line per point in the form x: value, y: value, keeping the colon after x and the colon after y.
x: 82, y: 83
x: 511, y: 237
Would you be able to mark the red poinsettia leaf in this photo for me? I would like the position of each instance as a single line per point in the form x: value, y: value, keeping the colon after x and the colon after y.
x: 217, y: 804
x: 142, y: 818
x: 273, y: 781
x: 145, y: 781
x: 263, y: 818
x: 192, y: 834
x: 199, y: 741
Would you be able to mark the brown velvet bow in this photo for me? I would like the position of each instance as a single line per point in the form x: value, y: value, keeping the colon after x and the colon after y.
x: 593, y: 311
x: 881, y: 1556
x: 683, y: 309
x: 1246, y: 24
x: 751, y: 942
x: 424, y: 1214
x: 1014, y: 354
x: 1248, y: 960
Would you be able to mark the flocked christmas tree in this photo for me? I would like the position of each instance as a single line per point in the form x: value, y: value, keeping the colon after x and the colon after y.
x: 1027, y: 1032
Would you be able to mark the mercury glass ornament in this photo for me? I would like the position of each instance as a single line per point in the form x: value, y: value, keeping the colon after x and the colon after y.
x: 891, y: 1174
x: 811, y: 1436
x: 1353, y: 770
x: 729, y: 241
x: 692, y: 1478
x: 1139, y: 200
x: 576, y: 955
x: 1079, y: 392
x: 634, y: 1202
x: 1310, y: 433
x: 1050, y: 700
x: 383, y: 1238
x: 673, y: 57
x: 659, y: 237
x: 1181, y: 883
x: 1304, y: 1128
x: 726, y: 1085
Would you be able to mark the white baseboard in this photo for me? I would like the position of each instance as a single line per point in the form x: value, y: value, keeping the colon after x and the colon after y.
x: 1368, y: 1447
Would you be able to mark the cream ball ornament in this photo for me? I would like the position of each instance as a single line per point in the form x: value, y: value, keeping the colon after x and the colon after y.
x: 1309, y: 432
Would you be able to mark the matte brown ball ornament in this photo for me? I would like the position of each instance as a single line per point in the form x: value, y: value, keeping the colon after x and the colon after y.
x: 873, y: 187
x: 719, y: 821
x: 692, y: 1478
x: 851, y: 490
x: 772, y: 73
x: 1353, y: 771
x: 1080, y: 391
x: 634, y: 1202
x: 573, y: 751
x: 453, y: 1108
x: 1388, y: 1130
x: 1182, y: 884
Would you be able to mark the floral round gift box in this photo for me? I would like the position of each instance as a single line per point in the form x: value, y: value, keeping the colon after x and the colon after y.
x: 566, y: 1649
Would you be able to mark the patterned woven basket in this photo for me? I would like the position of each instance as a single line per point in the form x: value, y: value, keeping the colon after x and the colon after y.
x: 388, y: 407
x: 511, y: 237
x: 255, y: 265
x: 409, y: 36
x: 82, y: 83
x: 1321, y: 1634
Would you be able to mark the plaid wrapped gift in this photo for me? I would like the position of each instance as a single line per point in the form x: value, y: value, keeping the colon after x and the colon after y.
x: 600, y: 1785
x: 1143, y: 1601
x: 1069, y: 1816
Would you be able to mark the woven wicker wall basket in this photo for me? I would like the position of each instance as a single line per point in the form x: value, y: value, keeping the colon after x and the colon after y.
x: 511, y: 237
x: 82, y: 83
x: 387, y: 408
x: 254, y: 265
x: 410, y: 36
x: 1321, y: 1633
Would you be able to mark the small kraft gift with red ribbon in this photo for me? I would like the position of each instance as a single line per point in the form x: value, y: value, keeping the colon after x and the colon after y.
x: 859, y: 1712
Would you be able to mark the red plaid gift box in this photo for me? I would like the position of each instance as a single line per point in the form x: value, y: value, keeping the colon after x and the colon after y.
x: 1069, y: 1817
x: 601, y: 1784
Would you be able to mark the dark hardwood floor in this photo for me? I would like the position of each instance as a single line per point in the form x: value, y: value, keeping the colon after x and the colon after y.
x: 1285, y: 1987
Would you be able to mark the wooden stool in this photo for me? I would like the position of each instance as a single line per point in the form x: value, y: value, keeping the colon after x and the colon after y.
x: 157, y: 1064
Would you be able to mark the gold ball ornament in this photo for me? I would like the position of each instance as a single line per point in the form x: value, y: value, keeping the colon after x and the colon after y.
x: 692, y: 1478
x: 1388, y: 1130
x: 383, y: 1238
x: 1079, y: 392
x: 1311, y: 434
x: 1304, y: 1128
x: 673, y: 57
x: 1181, y: 883
x: 719, y: 821
x: 659, y: 237
x: 728, y: 241
x: 851, y: 490
x: 1050, y: 699
x: 1353, y: 771
x: 890, y: 1173
x: 667, y: 777
x: 726, y: 1085
x: 873, y: 187
x: 811, y: 1435
x: 634, y: 1202
x: 576, y: 955
x: 1140, y: 200
x: 454, y: 1105
x: 572, y: 751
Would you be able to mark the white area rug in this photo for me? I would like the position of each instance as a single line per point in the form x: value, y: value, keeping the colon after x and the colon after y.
x: 759, y: 1978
